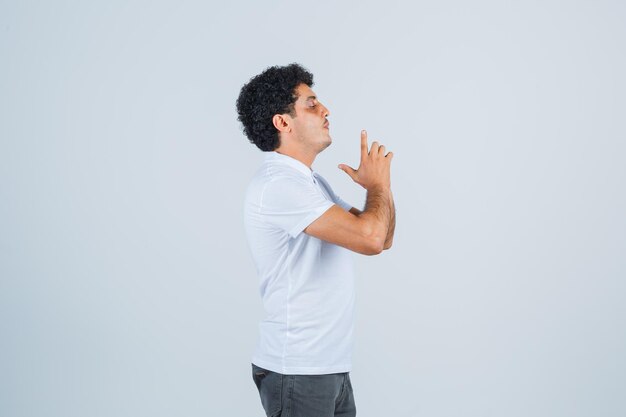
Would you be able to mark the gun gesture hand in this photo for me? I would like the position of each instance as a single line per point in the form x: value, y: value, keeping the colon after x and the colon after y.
x: 374, y: 168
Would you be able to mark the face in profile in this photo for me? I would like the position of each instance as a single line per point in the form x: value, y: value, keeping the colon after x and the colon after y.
x: 310, y: 126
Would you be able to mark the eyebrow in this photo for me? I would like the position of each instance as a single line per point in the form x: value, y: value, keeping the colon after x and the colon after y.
x: 311, y: 97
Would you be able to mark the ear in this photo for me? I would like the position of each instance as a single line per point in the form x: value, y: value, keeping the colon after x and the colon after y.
x: 281, y: 123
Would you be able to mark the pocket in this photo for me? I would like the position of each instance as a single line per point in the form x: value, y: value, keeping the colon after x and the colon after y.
x: 258, y: 374
x: 269, y: 385
x: 261, y: 372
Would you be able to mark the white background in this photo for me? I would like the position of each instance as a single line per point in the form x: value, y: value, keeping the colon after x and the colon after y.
x: 127, y: 288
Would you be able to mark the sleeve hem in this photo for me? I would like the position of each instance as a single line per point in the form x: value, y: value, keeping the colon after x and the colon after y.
x: 296, y: 230
x: 344, y: 205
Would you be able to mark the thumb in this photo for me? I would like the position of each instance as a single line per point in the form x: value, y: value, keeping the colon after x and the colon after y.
x: 348, y: 170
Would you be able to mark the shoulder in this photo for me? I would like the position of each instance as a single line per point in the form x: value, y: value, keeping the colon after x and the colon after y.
x: 274, y: 176
x: 279, y: 184
x: 280, y: 175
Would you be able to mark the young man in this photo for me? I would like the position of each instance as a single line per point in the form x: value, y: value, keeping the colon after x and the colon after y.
x: 300, y: 234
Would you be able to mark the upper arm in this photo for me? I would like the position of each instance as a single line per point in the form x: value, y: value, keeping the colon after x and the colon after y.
x: 345, y: 229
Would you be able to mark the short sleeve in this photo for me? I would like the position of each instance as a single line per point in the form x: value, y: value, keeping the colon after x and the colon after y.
x: 333, y: 195
x: 291, y: 204
x: 341, y: 203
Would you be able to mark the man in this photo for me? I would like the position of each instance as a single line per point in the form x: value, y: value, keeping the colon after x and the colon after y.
x: 300, y: 234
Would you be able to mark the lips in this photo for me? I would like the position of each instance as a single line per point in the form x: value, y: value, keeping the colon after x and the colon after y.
x: 326, y: 124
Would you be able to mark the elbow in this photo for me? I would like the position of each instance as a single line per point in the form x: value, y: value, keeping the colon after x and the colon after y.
x: 373, y: 238
x: 374, y: 248
x: 375, y: 244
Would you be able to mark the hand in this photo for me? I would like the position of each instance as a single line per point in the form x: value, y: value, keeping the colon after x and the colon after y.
x: 374, y: 169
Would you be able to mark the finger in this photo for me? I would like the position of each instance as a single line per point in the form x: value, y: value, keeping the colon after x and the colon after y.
x: 363, y: 143
x: 374, y: 148
x: 389, y: 155
x: 348, y: 170
x: 381, y: 150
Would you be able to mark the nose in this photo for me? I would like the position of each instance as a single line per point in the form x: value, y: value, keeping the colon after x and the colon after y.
x: 325, y: 111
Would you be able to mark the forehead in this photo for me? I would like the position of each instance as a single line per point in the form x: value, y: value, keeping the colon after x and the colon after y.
x: 305, y: 93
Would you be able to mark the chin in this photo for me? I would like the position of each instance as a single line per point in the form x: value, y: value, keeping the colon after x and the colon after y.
x: 326, y: 145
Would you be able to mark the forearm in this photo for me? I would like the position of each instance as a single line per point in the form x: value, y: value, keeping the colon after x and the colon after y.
x: 379, y: 213
x: 392, y: 224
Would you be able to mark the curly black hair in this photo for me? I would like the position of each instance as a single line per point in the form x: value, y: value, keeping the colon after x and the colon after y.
x: 271, y: 92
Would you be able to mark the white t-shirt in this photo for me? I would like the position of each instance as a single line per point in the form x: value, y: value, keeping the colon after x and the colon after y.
x: 307, y: 284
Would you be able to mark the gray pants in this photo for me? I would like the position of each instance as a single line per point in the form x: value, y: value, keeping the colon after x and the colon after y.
x: 304, y: 395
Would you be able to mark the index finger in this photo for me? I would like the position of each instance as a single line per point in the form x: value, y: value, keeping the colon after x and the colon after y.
x: 363, y: 143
